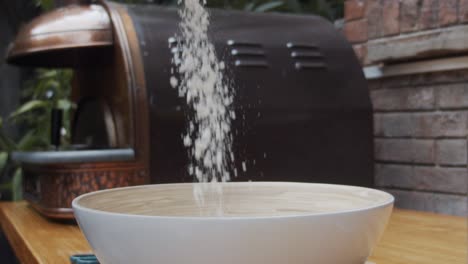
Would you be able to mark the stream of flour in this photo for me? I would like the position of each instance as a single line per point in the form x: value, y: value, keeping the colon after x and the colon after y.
x: 201, y: 82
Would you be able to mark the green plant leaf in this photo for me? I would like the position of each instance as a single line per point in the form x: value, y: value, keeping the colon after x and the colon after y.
x: 47, y: 73
x: 17, y: 185
x: 6, y: 143
x: 52, y: 84
x: 34, y: 115
x: 3, y: 160
x: 29, y: 106
x: 46, y: 5
x: 30, y: 141
x: 64, y: 104
x: 269, y: 6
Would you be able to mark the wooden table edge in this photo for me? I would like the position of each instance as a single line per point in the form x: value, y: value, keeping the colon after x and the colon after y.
x: 22, y: 248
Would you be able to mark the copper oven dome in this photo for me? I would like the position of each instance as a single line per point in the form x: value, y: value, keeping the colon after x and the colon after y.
x: 64, y: 37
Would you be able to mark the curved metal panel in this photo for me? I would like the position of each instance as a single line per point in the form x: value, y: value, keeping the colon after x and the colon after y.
x: 303, y: 108
x: 69, y: 36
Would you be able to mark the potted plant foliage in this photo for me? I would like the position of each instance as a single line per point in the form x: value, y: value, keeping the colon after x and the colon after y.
x: 49, y: 90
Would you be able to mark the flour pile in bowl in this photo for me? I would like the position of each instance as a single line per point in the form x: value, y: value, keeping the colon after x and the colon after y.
x: 201, y: 82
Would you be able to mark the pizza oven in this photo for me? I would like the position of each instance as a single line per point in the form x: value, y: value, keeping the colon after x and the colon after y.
x: 303, y: 108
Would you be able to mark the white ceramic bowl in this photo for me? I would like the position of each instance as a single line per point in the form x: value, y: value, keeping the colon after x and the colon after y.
x: 263, y: 223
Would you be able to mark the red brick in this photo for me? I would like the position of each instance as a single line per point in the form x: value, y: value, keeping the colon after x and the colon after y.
x: 459, y: 76
x: 447, y: 12
x: 354, y: 9
x: 452, y: 96
x: 374, y: 13
x: 463, y: 11
x: 419, y: 151
x: 427, y: 178
x: 441, y: 179
x: 441, y: 124
x: 423, y: 151
x: 361, y: 52
x: 389, y: 175
x: 391, y: 17
x: 402, y: 81
x: 409, y: 15
x: 396, y: 150
x: 393, y: 125
x: 451, y: 152
x: 356, y: 31
x: 429, y: 14
x: 403, y: 99
x: 453, y: 124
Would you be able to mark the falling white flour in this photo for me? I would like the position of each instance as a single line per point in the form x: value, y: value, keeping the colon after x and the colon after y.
x: 201, y: 82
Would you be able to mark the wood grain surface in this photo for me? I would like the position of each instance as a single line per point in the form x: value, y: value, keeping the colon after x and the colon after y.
x: 411, y: 237
x: 38, y: 240
x: 414, y: 237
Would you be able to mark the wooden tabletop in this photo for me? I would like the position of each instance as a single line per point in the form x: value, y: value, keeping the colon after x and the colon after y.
x: 411, y: 237
x: 38, y: 240
x: 419, y: 237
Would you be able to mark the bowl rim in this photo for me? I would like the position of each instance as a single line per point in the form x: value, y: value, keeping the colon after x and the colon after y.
x: 388, y: 202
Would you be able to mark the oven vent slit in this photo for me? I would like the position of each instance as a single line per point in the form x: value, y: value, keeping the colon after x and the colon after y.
x: 248, y: 54
x: 306, y: 56
x: 310, y: 65
x: 235, y: 43
x: 292, y: 45
x: 251, y: 63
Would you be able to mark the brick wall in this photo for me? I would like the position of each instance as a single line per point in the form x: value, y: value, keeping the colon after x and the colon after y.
x: 420, y: 128
x: 421, y: 120
x: 377, y: 27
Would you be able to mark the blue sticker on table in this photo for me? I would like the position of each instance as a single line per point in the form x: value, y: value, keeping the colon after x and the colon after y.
x: 84, y: 259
